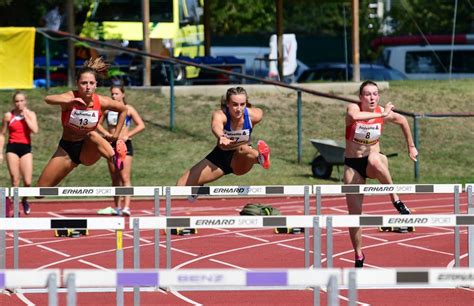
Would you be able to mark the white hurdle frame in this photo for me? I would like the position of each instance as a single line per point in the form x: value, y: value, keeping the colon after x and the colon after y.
x: 154, y: 191
x: 315, y: 222
x: 470, y: 230
x: 32, y: 278
x: 257, y: 190
x: 455, y: 189
x: 4, y: 193
x: 265, y: 279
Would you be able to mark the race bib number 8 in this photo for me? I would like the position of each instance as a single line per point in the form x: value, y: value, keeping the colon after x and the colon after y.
x: 84, y: 119
x: 367, y: 134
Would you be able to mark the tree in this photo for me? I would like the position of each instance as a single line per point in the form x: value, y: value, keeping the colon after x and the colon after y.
x: 416, y: 17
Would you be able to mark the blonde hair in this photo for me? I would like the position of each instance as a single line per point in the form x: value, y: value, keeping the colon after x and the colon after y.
x: 18, y: 92
x: 233, y: 91
x: 95, y: 65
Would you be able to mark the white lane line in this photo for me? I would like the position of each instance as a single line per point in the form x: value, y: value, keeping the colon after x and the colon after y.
x: 131, y: 236
x: 231, y: 251
x: 425, y: 249
x: 92, y: 265
x: 293, y: 247
x: 55, y: 214
x: 251, y: 237
x: 375, y: 238
x: 338, y: 210
x: 20, y: 239
x: 228, y: 264
x: 451, y: 263
x: 186, y: 299
x: 53, y: 250
x: 24, y: 299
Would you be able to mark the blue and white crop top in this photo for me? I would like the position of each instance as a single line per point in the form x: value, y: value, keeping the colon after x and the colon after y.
x: 240, y: 136
x: 112, y: 118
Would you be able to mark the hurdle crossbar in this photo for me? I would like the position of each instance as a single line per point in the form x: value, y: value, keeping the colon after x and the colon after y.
x: 455, y: 189
x: 85, y: 191
x: 386, y: 189
x: 240, y: 191
x: 301, y: 221
x: 27, y: 278
x: 95, y: 223
x: 236, y: 190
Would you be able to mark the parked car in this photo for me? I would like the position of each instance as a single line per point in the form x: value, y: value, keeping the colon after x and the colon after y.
x: 430, y: 62
x: 337, y: 72
x: 256, y: 59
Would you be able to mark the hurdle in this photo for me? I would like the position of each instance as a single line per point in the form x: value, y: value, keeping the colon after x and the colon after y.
x: 48, y: 278
x: 267, y: 279
x: 238, y: 191
x: 470, y: 230
x: 19, y: 192
x: 4, y: 193
x: 315, y: 222
x: 455, y: 189
x: 208, y: 279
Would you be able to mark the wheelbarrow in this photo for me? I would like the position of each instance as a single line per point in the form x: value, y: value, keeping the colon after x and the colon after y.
x: 331, y: 152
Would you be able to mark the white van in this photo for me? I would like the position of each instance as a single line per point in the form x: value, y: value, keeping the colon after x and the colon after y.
x: 430, y: 62
x: 256, y: 59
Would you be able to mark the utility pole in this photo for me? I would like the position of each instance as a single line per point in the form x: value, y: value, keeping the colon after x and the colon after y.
x: 355, y: 42
x: 146, y: 42
x: 279, y: 26
x: 207, y: 28
x: 71, y: 58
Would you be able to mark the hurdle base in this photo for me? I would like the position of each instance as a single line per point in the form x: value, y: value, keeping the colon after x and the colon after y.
x: 71, y: 232
x: 183, y: 231
x: 289, y: 230
x: 397, y: 229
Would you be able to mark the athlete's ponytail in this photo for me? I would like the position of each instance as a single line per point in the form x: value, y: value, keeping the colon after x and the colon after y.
x: 94, y: 65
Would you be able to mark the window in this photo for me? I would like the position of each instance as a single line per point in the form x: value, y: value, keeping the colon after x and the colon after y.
x: 438, y: 61
x: 122, y: 10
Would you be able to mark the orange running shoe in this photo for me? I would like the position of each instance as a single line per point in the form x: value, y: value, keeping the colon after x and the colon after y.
x: 264, y: 154
x: 120, y: 154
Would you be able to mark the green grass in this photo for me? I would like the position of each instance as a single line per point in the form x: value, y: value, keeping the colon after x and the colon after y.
x: 161, y: 155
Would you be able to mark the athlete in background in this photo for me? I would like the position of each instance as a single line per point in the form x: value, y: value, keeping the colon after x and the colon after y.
x: 122, y: 177
x: 20, y: 122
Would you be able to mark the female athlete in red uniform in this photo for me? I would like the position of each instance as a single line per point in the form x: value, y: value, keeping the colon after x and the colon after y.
x: 80, y: 113
x: 20, y: 122
x: 364, y: 126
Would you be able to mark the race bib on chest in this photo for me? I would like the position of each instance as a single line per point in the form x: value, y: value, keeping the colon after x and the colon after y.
x: 84, y: 119
x: 112, y: 118
x: 367, y: 133
x: 240, y: 136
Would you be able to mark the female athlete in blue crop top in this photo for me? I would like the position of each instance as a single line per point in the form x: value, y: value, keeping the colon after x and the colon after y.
x: 232, y: 126
x: 122, y: 177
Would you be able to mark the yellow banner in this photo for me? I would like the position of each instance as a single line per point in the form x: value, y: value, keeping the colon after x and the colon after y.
x: 17, y: 48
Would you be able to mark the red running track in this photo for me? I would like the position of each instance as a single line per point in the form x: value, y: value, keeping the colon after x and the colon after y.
x: 246, y: 249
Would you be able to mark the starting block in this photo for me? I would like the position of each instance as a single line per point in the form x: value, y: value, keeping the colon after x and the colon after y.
x: 70, y: 232
x: 183, y: 231
x: 397, y: 229
x: 289, y: 230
